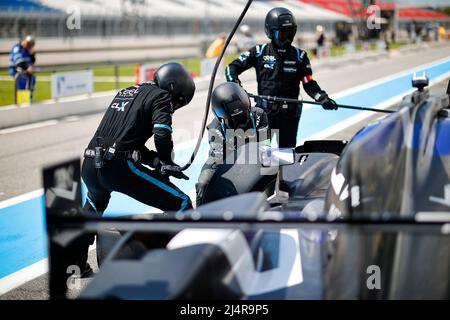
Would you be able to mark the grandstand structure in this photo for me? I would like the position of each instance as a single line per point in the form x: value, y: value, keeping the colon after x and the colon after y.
x: 399, y: 19
x: 124, y: 31
x: 108, y: 18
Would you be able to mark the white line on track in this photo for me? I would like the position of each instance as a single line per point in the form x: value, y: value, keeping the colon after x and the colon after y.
x: 22, y: 198
x: 410, y: 71
x: 22, y: 276
x: 29, y: 126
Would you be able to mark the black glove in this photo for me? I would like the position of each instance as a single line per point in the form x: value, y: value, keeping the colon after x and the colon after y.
x: 150, y: 157
x: 327, y: 103
x: 153, y: 159
x: 173, y: 170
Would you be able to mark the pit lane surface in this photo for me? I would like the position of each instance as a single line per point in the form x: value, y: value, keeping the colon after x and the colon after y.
x: 26, y: 151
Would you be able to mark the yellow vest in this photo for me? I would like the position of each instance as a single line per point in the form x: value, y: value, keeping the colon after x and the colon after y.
x: 215, y: 48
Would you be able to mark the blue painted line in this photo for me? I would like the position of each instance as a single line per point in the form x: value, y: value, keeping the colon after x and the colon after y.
x: 22, y: 226
x: 22, y: 236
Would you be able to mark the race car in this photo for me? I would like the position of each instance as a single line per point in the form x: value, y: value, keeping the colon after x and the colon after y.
x: 365, y: 219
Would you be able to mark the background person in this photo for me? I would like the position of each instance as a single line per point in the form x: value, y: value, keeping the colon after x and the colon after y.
x: 22, y: 59
x: 216, y: 47
x: 320, y: 42
x: 246, y: 40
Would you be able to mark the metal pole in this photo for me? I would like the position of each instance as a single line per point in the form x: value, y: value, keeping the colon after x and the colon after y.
x: 344, y: 106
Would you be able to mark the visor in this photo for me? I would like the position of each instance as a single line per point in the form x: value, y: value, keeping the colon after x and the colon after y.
x: 179, y: 102
x: 237, y: 120
x: 241, y: 120
x: 284, y: 34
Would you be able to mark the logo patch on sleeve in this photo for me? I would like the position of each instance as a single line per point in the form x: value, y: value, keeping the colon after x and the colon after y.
x: 289, y: 69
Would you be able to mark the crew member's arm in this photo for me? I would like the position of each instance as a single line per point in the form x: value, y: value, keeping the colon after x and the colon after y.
x: 30, y: 68
x: 311, y: 86
x: 32, y: 57
x: 244, y: 62
x: 19, y: 60
x: 162, y: 127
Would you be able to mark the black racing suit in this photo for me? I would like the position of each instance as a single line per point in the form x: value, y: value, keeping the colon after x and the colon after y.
x: 222, y: 144
x: 135, y: 114
x: 278, y: 73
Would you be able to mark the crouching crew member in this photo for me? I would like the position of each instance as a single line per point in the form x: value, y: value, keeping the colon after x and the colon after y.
x: 115, y: 156
x: 234, y: 116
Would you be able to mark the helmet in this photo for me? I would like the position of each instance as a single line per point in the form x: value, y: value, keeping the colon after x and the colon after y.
x: 245, y: 28
x: 175, y: 79
x: 231, y: 104
x: 30, y: 39
x: 280, y: 26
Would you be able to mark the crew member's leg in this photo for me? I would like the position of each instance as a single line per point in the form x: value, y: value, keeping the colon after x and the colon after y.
x: 274, y: 125
x: 98, y: 194
x: 147, y: 186
x: 31, y: 84
x: 203, y: 181
x: 288, y: 131
x: 21, y: 82
x: 97, y: 200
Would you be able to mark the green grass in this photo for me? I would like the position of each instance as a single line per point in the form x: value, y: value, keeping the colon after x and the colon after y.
x: 42, y: 92
x: 105, y: 86
x: 397, y: 45
x: 337, y: 51
x: 123, y: 71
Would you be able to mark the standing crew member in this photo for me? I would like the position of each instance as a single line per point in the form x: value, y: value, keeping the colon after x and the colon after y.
x: 232, y: 110
x: 280, y: 67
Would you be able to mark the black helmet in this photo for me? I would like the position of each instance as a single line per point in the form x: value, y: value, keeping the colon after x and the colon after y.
x: 231, y: 104
x: 280, y: 26
x: 175, y: 79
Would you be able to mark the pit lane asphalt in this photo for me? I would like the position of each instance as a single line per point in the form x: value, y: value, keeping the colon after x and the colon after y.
x: 25, y: 152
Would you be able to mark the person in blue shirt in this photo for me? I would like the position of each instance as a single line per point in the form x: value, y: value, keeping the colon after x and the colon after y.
x: 22, y: 59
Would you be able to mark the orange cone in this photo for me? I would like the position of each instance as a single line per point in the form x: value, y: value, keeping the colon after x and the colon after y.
x: 137, y: 80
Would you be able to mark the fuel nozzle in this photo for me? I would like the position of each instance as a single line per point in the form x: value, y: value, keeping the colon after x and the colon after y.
x: 420, y: 81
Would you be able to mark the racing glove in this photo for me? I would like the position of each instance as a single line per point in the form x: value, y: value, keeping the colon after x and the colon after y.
x: 150, y: 157
x: 327, y: 102
x: 173, y: 170
x: 236, y: 80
